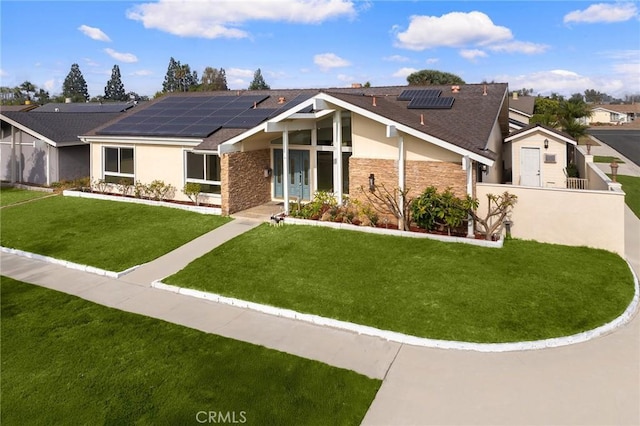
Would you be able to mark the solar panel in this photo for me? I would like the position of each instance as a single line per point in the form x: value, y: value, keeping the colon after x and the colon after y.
x: 243, y: 122
x: 410, y: 94
x: 431, y: 103
x: 197, y: 130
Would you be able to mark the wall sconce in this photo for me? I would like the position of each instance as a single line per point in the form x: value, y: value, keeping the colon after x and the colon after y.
x: 546, y: 143
x: 484, y: 168
x: 267, y: 172
x: 614, y: 170
x: 372, y: 183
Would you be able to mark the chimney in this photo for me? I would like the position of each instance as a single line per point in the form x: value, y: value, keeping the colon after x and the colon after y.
x: 515, y: 95
x: 67, y: 100
x: 374, y: 101
x: 484, y: 90
x: 356, y: 86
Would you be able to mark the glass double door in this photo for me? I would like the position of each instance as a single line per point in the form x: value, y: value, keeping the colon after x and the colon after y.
x: 298, y: 179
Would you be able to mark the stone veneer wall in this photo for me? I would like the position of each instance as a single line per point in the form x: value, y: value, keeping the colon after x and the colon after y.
x: 418, y: 176
x: 243, y: 182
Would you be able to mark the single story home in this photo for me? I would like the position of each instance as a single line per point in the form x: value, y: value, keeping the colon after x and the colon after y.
x: 247, y: 148
x: 613, y: 114
x: 43, y: 147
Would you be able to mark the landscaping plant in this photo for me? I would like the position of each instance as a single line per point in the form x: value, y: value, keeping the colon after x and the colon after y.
x: 499, y: 207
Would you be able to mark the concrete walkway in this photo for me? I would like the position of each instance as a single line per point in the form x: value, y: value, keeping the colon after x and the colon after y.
x: 628, y: 168
x: 597, y: 382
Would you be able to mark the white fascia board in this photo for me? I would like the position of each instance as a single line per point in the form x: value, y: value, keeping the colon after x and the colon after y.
x: 29, y: 131
x: 311, y: 115
x: 520, y: 112
x: 542, y: 130
x: 607, y: 110
x: 140, y: 140
x: 405, y: 129
x: 291, y: 126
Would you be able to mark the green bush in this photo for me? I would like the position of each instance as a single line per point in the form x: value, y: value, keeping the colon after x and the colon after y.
x: 432, y: 210
x: 192, y: 190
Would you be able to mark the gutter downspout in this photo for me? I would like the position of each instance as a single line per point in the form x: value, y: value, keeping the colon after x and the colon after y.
x: 285, y: 168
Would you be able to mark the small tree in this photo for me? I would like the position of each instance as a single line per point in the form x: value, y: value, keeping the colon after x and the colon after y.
x: 192, y: 190
x: 75, y: 86
x: 499, y: 206
x: 114, y: 90
x: 258, y: 82
x: 396, y: 202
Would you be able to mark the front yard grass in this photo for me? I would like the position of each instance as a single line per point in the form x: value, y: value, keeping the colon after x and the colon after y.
x: 631, y: 188
x: 69, y: 361
x: 10, y: 196
x: 106, y: 234
x: 524, y: 291
x: 606, y: 159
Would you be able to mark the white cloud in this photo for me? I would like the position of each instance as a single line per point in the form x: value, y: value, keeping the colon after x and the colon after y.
x: 122, y: 57
x: 90, y: 62
x: 455, y: 29
x: 603, y: 12
x: 141, y: 73
x: 566, y: 82
x: 346, y: 78
x: 404, y: 72
x: 432, y: 60
x: 239, y: 73
x: 396, y: 58
x: 327, y: 61
x: 221, y: 18
x: 473, y: 54
x: 49, y: 85
x: 94, y: 33
x: 3, y: 73
x: 524, y: 47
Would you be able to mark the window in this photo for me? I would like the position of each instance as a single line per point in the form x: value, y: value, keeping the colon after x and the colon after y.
x: 205, y: 170
x: 298, y: 137
x: 118, y: 165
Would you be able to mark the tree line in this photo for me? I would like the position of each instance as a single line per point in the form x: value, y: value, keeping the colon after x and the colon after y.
x: 179, y: 78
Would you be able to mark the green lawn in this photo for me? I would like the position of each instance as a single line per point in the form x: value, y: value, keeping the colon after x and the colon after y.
x: 606, y: 159
x: 106, y: 234
x: 524, y: 291
x: 69, y: 361
x: 14, y: 195
x: 631, y: 187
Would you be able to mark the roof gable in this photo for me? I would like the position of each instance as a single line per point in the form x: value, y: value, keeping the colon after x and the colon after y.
x: 537, y: 127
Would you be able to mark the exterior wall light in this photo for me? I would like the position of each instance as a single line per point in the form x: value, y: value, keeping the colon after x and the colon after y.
x: 267, y: 172
x: 372, y: 182
x: 485, y: 169
x: 546, y: 143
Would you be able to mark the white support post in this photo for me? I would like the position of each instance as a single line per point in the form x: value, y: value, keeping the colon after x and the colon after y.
x: 467, y: 165
x: 401, y: 173
x: 337, y: 156
x: 13, y: 154
x: 20, y: 165
x: 285, y: 168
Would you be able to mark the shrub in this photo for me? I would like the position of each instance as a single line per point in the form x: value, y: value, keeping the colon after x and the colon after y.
x: 158, y: 190
x: 432, y: 210
x: 124, y: 186
x: 192, y: 190
x: 101, y: 186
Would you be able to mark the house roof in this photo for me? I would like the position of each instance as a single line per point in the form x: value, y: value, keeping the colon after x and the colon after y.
x: 620, y: 108
x: 56, y: 128
x: 85, y: 107
x: 4, y: 108
x: 524, y: 104
x: 468, y: 123
x: 546, y: 129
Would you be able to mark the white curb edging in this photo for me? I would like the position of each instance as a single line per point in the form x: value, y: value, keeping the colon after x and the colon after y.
x: 395, y: 232
x: 67, y: 264
x: 393, y: 336
x: 196, y: 209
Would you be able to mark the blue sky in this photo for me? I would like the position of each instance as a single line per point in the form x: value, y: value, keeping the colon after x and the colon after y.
x: 549, y: 46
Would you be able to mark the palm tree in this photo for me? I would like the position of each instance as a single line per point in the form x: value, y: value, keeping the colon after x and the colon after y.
x: 28, y: 87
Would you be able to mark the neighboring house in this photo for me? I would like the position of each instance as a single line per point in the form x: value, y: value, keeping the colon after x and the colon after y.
x: 247, y: 148
x: 537, y: 155
x: 520, y: 111
x: 613, y: 114
x: 43, y: 147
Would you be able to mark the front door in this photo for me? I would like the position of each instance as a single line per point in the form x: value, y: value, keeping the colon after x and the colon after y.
x: 530, y: 166
x: 298, y: 179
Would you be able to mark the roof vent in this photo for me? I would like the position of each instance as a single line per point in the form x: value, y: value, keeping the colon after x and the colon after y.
x: 374, y: 101
x: 455, y: 89
x: 56, y: 110
x: 67, y: 100
x: 356, y: 86
x: 422, y: 119
x: 281, y: 99
x: 515, y: 95
x: 484, y: 90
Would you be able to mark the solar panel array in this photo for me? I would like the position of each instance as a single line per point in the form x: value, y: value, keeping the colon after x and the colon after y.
x: 426, y: 99
x: 409, y: 94
x: 193, y: 116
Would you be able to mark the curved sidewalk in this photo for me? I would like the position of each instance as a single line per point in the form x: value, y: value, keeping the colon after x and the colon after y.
x: 596, y: 382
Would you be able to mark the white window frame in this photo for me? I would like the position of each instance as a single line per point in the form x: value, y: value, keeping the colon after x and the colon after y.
x: 118, y: 174
x: 204, y: 172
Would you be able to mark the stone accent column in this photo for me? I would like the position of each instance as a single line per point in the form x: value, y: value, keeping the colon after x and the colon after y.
x: 243, y: 182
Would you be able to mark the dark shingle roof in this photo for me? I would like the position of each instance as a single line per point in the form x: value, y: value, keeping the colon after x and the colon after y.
x: 61, y: 128
x: 85, y: 107
x: 525, y: 104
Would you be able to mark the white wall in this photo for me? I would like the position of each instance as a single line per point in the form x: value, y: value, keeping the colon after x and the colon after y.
x: 551, y: 174
x: 563, y: 216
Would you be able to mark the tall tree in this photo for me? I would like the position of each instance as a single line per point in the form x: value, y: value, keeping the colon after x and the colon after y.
x: 258, y: 82
x: 213, y: 79
x: 179, y: 78
x: 28, y: 87
x: 432, y: 77
x: 42, y: 96
x: 75, y: 86
x: 114, y: 90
